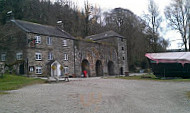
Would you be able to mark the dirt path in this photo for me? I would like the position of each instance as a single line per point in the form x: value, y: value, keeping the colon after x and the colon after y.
x: 99, y: 96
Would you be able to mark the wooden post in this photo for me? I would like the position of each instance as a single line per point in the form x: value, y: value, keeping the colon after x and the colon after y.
x: 2, y: 69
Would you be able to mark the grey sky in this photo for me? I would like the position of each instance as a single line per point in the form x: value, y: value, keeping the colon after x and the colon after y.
x: 139, y: 7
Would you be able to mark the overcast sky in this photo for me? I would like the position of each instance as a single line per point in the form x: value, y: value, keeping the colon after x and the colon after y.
x: 139, y: 7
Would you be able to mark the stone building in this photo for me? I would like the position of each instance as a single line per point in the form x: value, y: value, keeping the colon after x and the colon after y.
x: 41, y: 50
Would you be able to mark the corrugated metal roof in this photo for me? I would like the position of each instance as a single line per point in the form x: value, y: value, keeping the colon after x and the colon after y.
x: 104, y: 35
x: 170, y: 57
x: 42, y: 29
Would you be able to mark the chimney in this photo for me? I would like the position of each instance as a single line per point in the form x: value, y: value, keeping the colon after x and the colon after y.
x: 60, y: 24
x: 10, y: 16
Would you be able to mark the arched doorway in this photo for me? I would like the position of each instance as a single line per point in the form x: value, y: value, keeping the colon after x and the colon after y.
x: 85, y: 66
x: 99, y: 68
x: 111, y: 68
x: 121, y: 71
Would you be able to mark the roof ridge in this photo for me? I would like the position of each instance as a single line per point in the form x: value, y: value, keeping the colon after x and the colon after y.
x: 103, y: 35
x: 35, y: 23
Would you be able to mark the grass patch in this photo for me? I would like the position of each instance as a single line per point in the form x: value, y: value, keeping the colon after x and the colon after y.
x: 3, y: 93
x: 188, y: 94
x: 12, y: 82
x: 153, y: 77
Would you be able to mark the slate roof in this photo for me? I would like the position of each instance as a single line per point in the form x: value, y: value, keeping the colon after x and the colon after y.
x: 104, y: 35
x: 30, y: 27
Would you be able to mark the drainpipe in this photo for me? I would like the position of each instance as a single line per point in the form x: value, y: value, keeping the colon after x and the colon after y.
x: 74, y: 56
x: 27, y: 68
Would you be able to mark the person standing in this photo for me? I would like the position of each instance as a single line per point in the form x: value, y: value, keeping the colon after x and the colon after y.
x: 85, y: 73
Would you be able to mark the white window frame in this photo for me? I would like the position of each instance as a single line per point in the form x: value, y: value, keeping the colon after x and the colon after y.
x: 3, y: 57
x: 66, y: 70
x: 49, y: 40
x: 66, y: 57
x: 31, y: 69
x: 50, y: 56
x: 64, y: 43
x: 38, y: 56
x: 38, y: 40
x: 19, y: 56
x: 38, y: 70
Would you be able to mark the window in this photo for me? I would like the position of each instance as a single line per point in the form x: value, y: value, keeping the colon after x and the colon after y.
x: 39, y: 70
x: 49, y: 41
x: 31, y: 68
x: 66, y: 70
x: 122, y: 39
x: 122, y: 48
x: 64, y: 42
x: 38, y: 39
x: 50, y: 56
x: 38, y: 56
x: 123, y: 58
x: 3, y: 57
x: 66, y: 56
x: 19, y: 56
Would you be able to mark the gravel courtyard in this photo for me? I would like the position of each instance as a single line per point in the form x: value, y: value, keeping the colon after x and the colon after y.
x: 99, y: 96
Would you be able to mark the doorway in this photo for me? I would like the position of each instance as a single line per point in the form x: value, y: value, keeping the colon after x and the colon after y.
x: 85, y: 66
x: 111, y: 68
x: 99, y: 68
x: 21, y: 69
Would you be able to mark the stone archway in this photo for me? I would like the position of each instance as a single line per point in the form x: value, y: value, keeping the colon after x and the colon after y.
x: 85, y: 65
x: 99, y: 68
x: 110, y: 68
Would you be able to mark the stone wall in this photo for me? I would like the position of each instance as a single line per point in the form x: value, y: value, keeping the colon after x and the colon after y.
x: 101, y: 58
x: 56, y: 48
x: 15, y: 42
x: 121, y: 47
x: 93, y: 52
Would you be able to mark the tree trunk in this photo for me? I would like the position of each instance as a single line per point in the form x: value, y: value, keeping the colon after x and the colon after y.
x: 189, y: 34
x: 185, y: 43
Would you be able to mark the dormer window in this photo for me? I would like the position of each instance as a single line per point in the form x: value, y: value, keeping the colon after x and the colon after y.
x: 38, y: 39
x: 64, y: 43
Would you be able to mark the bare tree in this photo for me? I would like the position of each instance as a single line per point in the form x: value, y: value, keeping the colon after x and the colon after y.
x: 188, y: 9
x: 87, y: 15
x: 153, y: 20
x: 177, y: 14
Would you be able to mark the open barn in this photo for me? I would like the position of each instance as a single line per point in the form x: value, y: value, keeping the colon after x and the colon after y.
x: 170, y: 64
